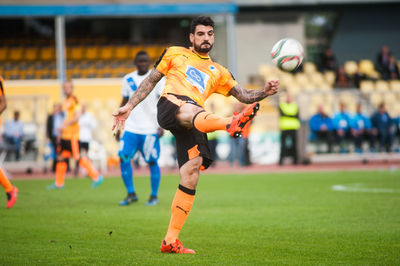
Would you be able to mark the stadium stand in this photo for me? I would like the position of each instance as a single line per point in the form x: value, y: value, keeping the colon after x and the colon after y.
x: 85, y: 59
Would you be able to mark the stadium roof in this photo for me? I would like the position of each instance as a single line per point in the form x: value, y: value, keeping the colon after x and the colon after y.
x: 152, y: 9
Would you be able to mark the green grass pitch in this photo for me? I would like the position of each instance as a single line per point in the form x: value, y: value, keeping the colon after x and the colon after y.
x: 238, y: 219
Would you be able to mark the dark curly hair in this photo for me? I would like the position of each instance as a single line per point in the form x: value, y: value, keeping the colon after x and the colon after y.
x: 201, y: 20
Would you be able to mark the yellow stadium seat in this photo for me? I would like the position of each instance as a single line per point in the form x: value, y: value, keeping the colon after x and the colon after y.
x: 389, y: 97
x: 394, y: 85
x: 16, y: 53
x: 382, y: 85
x: 47, y: 53
x: 31, y: 53
x: 367, y: 86
x: 375, y: 98
x: 317, y: 78
x: 3, y: 53
x: 122, y: 52
x: 75, y: 52
x: 330, y: 77
x: 366, y: 67
x: 106, y: 52
x: 302, y: 79
x: 91, y: 52
x: 309, y: 67
x: 350, y: 67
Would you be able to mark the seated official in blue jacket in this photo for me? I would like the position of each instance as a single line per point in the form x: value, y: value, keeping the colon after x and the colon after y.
x: 361, y: 130
x: 383, y: 123
x: 341, y: 123
x: 321, y: 126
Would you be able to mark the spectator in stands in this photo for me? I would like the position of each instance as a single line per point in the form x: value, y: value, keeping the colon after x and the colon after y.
x: 392, y: 70
x: 321, y: 126
x: 361, y: 130
x: 54, y: 121
x: 342, y: 80
x: 341, y: 123
x: 383, y: 124
x: 13, y: 134
x: 382, y: 61
x: 87, y: 123
x: 328, y: 61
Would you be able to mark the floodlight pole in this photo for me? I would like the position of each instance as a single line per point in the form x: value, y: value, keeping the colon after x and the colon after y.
x: 231, y: 36
x: 60, y: 47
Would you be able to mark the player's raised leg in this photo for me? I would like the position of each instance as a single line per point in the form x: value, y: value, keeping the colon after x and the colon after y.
x: 191, y: 115
x: 11, y: 191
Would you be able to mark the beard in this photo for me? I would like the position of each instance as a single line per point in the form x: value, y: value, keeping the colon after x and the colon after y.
x: 202, y: 49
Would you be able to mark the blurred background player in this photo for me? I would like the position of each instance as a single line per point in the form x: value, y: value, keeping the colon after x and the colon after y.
x: 68, y: 145
x: 87, y: 123
x: 289, y: 124
x: 142, y: 131
x: 11, y: 191
x: 54, y: 121
x: 191, y: 77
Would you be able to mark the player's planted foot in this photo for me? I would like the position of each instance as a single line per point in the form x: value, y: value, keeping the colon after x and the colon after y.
x: 97, y: 183
x: 12, y: 197
x: 152, y: 201
x: 129, y: 199
x: 176, y: 247
x: 53, y: 187
x: 240, y: 120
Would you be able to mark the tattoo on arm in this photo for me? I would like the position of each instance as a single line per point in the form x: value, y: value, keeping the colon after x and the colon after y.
x: 247, y: 96
x: 145, y: 87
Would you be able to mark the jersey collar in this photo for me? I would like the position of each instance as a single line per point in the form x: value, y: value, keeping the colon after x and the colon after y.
x: 202, y: 57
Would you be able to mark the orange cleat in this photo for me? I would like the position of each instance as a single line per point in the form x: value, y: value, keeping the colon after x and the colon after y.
x: 12, y: 197
x: 240, y: 120
x: 176, y: 247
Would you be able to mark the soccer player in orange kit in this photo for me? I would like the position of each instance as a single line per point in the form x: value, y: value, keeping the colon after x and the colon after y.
x: 191, y: 77
x: 11, y: 191
x: 68, y: 145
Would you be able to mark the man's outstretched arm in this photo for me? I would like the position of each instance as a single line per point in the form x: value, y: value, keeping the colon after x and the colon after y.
x: 145, y: 88
x: 251, y: 96
x: 141, y: 93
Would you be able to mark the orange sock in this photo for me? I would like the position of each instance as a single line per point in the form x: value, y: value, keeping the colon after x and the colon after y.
x: 85, y: 163
x: 180, y: 208
x: 209, y: 122
x: 61, y: 169
x: 5, y: 182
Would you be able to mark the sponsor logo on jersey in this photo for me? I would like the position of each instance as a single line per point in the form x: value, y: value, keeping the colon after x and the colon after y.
x: 212, y: 68
x: 132, y: 84
x: 197, y: 78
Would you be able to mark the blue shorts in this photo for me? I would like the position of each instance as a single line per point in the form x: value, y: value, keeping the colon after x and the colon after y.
x: 148, y: 145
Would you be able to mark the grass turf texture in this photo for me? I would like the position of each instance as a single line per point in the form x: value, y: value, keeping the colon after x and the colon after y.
x: 236, y: 220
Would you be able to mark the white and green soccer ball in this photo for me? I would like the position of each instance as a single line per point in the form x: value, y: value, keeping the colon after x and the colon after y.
x: 287, y: 54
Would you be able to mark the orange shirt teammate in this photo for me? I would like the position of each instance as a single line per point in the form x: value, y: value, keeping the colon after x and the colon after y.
x: 12, y: 191
x: 191, y: 77
x: 69, y: 144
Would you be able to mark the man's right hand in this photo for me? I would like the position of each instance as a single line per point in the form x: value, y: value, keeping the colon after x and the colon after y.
x: 120, y: 116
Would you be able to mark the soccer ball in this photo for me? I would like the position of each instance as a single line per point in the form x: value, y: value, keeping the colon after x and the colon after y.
x: 287, y: 54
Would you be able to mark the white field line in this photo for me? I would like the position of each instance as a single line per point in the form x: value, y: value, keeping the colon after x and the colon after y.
x: 359, y: 188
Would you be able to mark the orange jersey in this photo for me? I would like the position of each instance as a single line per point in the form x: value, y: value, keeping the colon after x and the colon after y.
x: 2, y: 86
x: 189, y: 74
x: 70, y: 107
